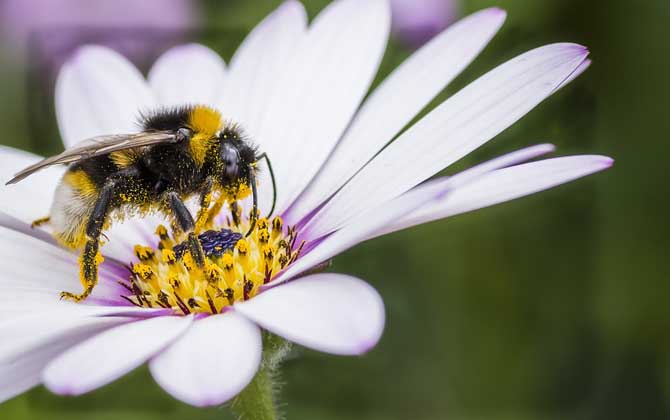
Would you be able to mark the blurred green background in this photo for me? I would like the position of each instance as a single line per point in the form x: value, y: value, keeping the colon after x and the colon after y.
x: 550, y: 307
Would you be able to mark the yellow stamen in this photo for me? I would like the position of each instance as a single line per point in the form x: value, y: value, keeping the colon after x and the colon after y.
x: 277, y: 227
x: 263, y: 236
x: 143, y: 271
x: 168, y: 256
x: 236, y: 267
x: 144, y: 253
x: 188, y: 261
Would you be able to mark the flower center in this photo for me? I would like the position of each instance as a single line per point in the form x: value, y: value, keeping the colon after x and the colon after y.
x: 235, y: 266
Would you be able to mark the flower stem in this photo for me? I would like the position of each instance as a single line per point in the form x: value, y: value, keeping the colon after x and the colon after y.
x: 258, y: 400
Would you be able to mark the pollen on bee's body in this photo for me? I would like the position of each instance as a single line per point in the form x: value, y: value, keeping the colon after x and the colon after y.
x: 235, y: 268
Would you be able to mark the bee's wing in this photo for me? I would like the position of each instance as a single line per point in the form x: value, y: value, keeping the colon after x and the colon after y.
x: 97, y: 146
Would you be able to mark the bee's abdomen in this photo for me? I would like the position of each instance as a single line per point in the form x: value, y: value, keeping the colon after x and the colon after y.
x: 72, y: 206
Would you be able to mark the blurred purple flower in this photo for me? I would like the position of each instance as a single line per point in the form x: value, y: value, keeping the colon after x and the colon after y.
x: 51, y: 30
x: 415, y: 22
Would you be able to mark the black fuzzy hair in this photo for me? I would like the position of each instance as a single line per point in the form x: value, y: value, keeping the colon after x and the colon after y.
x: 165, y: 119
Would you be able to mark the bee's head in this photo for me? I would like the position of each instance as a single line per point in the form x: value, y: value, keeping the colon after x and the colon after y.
x: 238, y: 158
x: 237, y: 169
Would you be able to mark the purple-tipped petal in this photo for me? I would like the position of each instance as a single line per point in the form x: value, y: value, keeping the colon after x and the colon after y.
x: 188, y: 74
x: 98, y: 92
x: 24, y: 372
x: 210, y: 364
x: 461, y: 124
x: 111, y: 354
x: 332, y: 313
x: 502, y: 185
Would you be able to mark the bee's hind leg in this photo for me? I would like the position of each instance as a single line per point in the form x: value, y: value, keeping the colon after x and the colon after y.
x: 90, y: 258
x: 88, y: 271
x: 187, y: 225
x: 39, y: 222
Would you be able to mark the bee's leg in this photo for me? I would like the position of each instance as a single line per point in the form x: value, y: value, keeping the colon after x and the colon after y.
x: 90, y: 257
x: 40, y: 222
x: 236, y: 213
x: 215, y: 210
x: 205, y: 201
x: 186, y: 223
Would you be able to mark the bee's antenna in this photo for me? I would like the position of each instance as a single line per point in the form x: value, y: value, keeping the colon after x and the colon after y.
x: 274, y: 184
x: 254, y: 209
x: 254, y: 192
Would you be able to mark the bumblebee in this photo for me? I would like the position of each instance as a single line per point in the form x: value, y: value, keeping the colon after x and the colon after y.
x: 181, y: 152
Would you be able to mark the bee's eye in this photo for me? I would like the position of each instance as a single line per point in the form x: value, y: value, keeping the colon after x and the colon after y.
x: 231, y: 158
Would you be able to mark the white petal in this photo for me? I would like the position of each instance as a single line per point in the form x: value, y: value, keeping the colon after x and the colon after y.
x: 36, y: 323
x: 257, y: 71
x: 448, y: 185
x: 124, y: 235
x: 464, y: 122
x: 210, y: 364
x: 367, y: 224
x: 13, y: 223
x: 397, y: 100
x: 111, y: 354
x: 99, y: 92
x: 323, y: 86
x: 188, y: 74
x: 500, y: 186
x: 21, y: 374
x: 259, y: 64
x: 330, y: 312
x: 44, y: 325
x: 350, y: 235
x: 31, y: 198
x: 43, y: 270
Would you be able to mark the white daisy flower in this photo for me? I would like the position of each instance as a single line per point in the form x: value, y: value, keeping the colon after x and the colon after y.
x: 299, y: 91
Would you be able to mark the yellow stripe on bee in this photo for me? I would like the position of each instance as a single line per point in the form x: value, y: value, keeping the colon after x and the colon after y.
x: 124, y: 158
x: 205, y: 122
x: 81, y: 182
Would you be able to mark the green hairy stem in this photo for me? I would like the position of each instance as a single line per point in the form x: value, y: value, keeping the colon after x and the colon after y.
x: 258, y: 401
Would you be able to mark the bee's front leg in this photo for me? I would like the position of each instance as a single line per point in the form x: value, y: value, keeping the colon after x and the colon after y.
x: 90, y: 258
x: 187, y: 225
x: 202, y: 220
